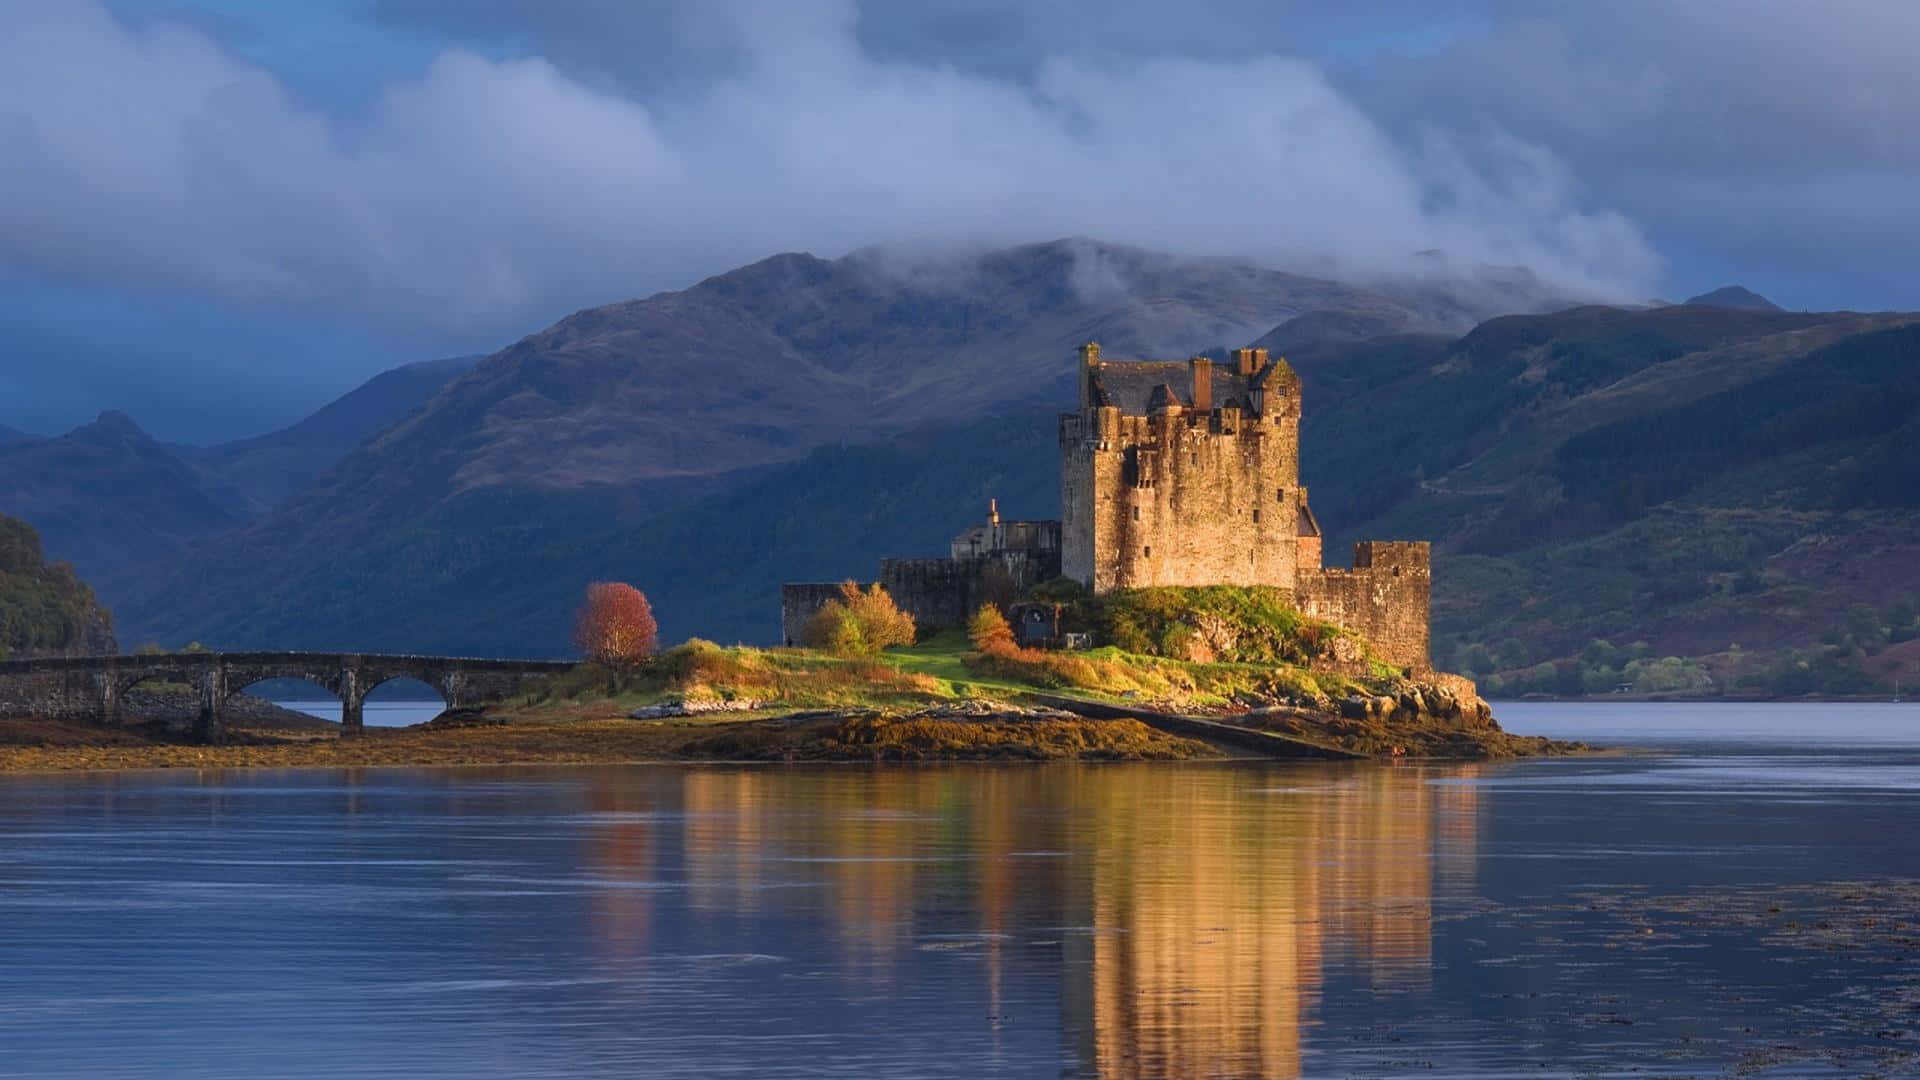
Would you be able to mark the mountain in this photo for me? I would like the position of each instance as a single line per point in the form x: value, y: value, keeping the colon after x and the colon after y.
x: 267, y: 469
x: 761, y: 364
x: 618, y: 415
x: 12, y: 435
x: 1734, y: 487
x: 1734, y: 296
x: 124, y: 507
x: 44, y: 607
x: 109, y: 498
x: 1605, y: 486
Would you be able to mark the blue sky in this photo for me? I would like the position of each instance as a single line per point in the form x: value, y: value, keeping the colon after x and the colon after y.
x: 219, y: 214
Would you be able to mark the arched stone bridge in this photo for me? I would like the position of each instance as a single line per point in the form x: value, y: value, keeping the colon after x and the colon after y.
x: 91, y: 687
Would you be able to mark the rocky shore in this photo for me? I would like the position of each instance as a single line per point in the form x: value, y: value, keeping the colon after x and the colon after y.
x: 1420, y: 720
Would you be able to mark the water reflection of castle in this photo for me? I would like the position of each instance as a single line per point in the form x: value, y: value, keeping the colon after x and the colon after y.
x: 1201, y: 920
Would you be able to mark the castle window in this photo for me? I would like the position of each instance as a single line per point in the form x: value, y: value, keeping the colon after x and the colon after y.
x: 1147, y: 551
x: 1256, y: 515
x: 1196, y: 457
x: 1136, y: 513
x: 1281, y: 495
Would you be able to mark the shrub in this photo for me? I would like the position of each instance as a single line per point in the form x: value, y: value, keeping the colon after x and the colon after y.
x: 615, y: 626
x: 989, y: 631
x: 861, y: 622
x: 1245, y: 624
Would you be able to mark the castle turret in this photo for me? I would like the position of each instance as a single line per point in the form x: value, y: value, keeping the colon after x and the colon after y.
x: 1089, y: 364
x: 1201, y: 369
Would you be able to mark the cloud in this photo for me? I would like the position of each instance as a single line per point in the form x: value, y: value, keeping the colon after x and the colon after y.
x: 488, y: 190
x: 1772, y: 139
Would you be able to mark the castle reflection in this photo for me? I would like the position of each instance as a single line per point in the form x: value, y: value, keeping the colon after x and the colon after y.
x: 1186, y: 918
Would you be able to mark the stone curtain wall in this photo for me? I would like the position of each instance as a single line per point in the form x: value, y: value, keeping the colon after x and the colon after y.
x: 798, y: 602
x: 938, y: 593
x: 1385, y: 598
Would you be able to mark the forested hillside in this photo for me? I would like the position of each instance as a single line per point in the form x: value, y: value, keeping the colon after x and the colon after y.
x: 44, y: 608
x: 1739, y: 489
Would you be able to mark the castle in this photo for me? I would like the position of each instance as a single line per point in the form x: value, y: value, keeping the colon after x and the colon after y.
x: 1184, y: 473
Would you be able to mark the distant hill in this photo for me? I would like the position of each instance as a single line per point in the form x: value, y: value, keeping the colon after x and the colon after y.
x: 107, y: 497
x: 123, y: 506
x: 1734, y: 296
x: 44, y: 608
x: 267, y: 469
x: 12, y: 435
x: 1735, y: 486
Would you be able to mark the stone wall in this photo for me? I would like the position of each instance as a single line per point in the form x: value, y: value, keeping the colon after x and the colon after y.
x: 1385, y: 598
x: 799, y: 600
x: 938, y: 593
x: 1183, y: 496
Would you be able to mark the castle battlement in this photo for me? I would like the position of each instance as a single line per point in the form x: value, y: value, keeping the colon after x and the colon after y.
x: 1190, y: 484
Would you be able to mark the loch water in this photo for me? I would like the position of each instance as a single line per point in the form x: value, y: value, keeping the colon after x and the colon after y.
x: 1738, y: 896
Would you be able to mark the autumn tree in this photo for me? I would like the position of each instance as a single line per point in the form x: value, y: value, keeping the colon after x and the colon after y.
x: 990, y: 631
x: 615, y: 626
x: 859, y: 622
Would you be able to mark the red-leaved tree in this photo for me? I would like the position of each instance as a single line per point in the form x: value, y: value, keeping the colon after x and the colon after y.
x: 615, y: 626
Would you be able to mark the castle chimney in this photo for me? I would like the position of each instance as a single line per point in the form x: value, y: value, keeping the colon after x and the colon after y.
x: 1243, y: 362
x: 1089, y: 360
x: 1202, y: 369
x: 1259, y: 361
x: 993, y: 511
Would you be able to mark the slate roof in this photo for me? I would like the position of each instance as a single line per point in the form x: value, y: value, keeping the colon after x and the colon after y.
x: 1131, y: 385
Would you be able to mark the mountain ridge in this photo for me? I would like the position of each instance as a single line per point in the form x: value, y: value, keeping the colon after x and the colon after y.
x: 1734, y: 296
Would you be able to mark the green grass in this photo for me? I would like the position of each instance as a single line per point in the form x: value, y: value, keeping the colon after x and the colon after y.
x: 942, y: 669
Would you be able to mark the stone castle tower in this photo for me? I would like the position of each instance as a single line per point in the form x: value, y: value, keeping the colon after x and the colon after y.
x: 1170, y: 474
x: 1189, y: 474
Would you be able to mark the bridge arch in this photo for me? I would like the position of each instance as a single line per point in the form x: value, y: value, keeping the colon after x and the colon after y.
x: 387, y: 701
x: 241, y: 682
x: 118, y: 689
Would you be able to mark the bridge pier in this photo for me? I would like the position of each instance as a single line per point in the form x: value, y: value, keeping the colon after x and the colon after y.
x: 353, y: 704
x: 107, y: 695
x: 210, y: 726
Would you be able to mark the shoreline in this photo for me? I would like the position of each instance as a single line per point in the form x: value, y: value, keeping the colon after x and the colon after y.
x: 977, y: 734
x: 1700, y: 699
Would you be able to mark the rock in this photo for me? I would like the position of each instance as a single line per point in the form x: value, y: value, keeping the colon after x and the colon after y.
x: 695, y: 707
x: 1346, y: 649
x: 466, y: 717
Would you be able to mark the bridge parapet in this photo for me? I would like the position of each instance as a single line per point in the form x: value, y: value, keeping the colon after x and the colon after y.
x: 90, y: 688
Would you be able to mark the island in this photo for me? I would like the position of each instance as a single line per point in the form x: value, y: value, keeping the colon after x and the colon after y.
x: 1178, y: 610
